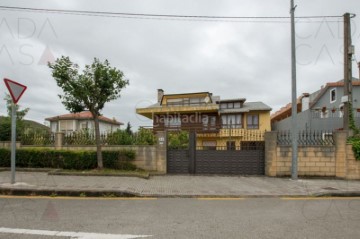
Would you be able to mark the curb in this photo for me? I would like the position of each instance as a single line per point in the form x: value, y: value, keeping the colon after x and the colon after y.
x: 124, y: 194
x: 59, y: 173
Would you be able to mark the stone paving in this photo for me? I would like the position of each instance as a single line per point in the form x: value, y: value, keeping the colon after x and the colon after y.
x: 182, y: 186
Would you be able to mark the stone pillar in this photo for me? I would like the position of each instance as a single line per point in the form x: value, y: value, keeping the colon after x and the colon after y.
x: 340, y: 153
x: 161, y: 152
x: 270, y: 153
x: 59, y: 140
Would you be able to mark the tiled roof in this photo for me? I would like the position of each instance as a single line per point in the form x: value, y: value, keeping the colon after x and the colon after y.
x: 83, y: 116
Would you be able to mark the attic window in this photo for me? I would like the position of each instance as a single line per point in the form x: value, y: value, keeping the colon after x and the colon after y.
x: 333, y: 95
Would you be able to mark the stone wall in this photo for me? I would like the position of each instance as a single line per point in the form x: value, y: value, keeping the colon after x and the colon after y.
x: 316, y: 161
x: 312, y: 161
x: 352, y: 165
x: 148, y: 157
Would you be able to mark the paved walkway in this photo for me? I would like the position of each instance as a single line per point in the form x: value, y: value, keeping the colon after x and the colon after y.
x: 181, y: 186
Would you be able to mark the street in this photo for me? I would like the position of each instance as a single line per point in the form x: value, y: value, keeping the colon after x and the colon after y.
x: 179, y: 218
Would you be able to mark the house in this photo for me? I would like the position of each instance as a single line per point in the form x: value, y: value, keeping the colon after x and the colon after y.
x: 219, y: 124
x: 321, y: 110
x: 68, y: 123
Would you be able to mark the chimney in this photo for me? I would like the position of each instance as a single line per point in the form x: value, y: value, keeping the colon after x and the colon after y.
x: 160, y: 94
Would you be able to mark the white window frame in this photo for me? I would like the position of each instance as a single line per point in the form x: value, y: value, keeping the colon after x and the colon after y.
x: 333, y: 90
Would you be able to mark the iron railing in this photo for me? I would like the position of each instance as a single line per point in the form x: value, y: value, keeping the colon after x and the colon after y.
x: 38, y: 139
x: 310, y: 138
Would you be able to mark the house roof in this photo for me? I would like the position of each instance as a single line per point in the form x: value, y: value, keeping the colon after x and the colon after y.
x: 355, y: 82
x: 247, y: 107
x: 232, y: 100
x: 83, y: 116
x: 285, y: 111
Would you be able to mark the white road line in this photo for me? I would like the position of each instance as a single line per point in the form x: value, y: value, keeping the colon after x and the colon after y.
x: 78, y: 235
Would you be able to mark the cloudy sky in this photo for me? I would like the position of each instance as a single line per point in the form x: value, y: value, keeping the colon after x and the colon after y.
x: 231, y: 59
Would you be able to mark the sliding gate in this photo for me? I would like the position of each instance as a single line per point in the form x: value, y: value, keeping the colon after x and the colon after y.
x: 249, y: 159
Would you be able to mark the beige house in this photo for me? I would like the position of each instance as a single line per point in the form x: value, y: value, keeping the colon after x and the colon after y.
x: 68, y: 123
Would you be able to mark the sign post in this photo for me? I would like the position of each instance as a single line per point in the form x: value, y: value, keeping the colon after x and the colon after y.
x: 16, y: 90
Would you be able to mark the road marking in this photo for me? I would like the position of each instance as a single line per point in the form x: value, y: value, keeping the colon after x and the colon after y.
x: 78, y: 198
x: 220, y: 199
x: 320, y: 198
x: 78, y: 235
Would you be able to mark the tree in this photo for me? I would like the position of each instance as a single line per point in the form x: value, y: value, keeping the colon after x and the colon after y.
x: 5, y: 122
x: 20, y: 114
x: 99, y: 83
x: 128, y: 129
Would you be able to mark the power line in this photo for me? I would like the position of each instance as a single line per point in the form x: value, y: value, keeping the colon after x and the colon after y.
x: 259, y: 19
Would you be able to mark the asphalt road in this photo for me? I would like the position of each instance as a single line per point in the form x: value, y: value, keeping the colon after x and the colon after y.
x: 179, y: 218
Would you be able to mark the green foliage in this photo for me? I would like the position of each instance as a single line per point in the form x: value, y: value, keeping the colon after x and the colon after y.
x: 352, y: 124
x: 120, y: 137
x: 20, y: 114
x: 77, y: 160
x: 178, y: 140
x: 123, y: 137
x: 144, y: 137
x: 98, y: 84
x: 355, y: 142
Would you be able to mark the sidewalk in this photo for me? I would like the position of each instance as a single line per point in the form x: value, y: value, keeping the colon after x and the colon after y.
x: 40, y: 183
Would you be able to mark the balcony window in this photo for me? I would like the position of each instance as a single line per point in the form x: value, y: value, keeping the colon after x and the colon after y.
x: 231, y: 121
x: 253, y: 121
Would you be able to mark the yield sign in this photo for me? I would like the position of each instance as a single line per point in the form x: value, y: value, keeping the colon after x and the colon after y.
x: 16, y: 89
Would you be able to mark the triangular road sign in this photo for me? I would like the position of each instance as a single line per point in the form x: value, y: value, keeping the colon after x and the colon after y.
x: 16, y: 89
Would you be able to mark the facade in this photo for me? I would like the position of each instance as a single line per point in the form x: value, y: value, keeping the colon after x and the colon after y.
x: 219, y: 124
x: 69, y: 123
x: 321, y: 110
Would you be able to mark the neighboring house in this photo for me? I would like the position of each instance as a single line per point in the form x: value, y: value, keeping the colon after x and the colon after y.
x: 81, y: 121
x: 321, y: 110
x: 220, y: 124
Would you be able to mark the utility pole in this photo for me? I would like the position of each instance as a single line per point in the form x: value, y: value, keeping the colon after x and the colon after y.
x: 348, y: 52
x: 294, y: 131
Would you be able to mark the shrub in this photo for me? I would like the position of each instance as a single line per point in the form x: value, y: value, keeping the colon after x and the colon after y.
x: 77, y: 160
x: 355, y: 141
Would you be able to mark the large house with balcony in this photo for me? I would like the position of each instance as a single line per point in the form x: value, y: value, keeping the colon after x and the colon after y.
x: 219, y: 123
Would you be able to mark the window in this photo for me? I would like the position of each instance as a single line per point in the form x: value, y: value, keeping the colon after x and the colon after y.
x: 223, y: 106
x: 237, y: 105
x: 253, y: 121
x: 209, y: 122
x: 231, y: 121
x: 173, y: 122
x: 83, y: 125
x: 230, y: 145
x: 209, y: 145
x: 332, y: 95
x: 66, y: 125
x: 230, y: 105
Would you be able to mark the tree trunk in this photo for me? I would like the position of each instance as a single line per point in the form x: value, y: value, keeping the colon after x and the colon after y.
x: 98, y: 143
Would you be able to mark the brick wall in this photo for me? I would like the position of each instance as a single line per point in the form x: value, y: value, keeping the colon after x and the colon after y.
x: 312, y: 161
x: 322, y: 161
x: 352, y: 165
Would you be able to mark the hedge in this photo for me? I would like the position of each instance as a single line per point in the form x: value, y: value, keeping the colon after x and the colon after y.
x: 64, y: 159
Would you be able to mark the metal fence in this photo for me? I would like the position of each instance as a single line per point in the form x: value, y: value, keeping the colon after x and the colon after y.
x: 38, y: 139
x: 310, y: 138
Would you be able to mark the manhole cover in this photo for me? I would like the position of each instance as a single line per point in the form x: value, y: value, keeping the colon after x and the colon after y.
x: 330, y: 188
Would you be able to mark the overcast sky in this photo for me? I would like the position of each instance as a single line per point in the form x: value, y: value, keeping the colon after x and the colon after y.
x: 231, y: 59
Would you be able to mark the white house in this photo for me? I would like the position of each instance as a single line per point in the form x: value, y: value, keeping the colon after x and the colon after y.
x: 82, y: 121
